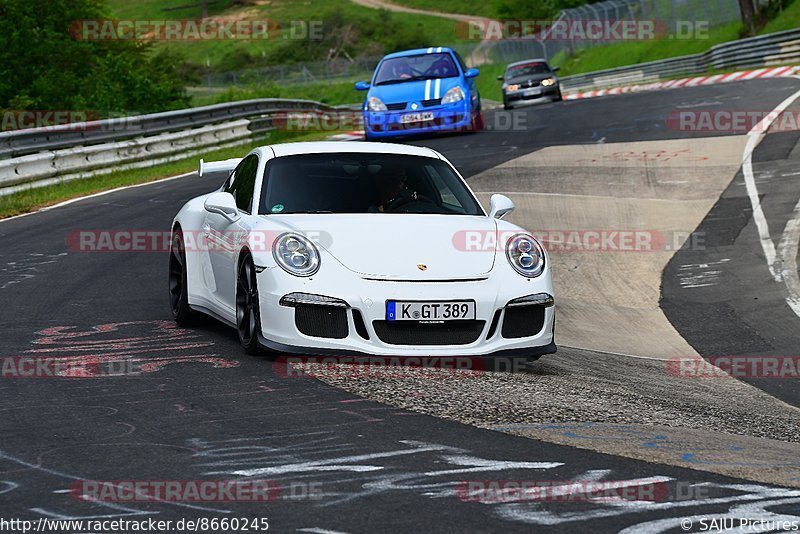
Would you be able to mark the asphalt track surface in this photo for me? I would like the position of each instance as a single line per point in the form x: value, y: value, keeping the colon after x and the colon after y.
x: 205, y: 410
x: 722, y: 298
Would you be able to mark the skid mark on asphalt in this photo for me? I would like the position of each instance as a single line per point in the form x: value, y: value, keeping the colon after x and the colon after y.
x: 701, y: 274
x: 32, y: 476
x: 442, y: 471
x: 121, y: 349
x: 685, y: 155
x: 26, y: 268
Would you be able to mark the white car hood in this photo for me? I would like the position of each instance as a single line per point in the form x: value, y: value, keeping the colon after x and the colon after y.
x: 401, y: 246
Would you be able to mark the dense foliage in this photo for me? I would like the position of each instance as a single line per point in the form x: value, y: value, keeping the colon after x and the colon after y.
x: 344, y: 34
x: 42, y: 67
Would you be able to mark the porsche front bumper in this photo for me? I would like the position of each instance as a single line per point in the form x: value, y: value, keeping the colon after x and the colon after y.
x: 512, y: 318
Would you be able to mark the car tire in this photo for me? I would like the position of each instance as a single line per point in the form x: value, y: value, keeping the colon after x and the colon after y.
x: 178, y: 286
x: 248, y: 310
x: 558, y: 97
x: 476, y: 125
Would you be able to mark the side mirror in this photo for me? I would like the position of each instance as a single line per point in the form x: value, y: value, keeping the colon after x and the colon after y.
x: 362, y: 86
x: 471, y: 73
x: 223, y: 204
x: 500, y: 206
x: 500, y: 78
x: 555, y: 69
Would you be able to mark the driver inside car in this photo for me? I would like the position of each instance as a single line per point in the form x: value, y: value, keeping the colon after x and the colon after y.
x: 392, y: 191
x: 403, y: 70
x: 442, y: 68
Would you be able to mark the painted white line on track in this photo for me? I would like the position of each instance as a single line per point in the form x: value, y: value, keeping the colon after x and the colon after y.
x: 787, y: 252
x: 99, y: 194
x: 776, y: 260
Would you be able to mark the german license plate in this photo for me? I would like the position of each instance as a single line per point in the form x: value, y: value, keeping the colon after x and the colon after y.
x: 430, y: 311
x: 532, y: 92
x: 416, y: 117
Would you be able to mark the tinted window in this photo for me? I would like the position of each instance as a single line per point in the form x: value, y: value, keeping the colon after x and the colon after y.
x: 527, y: 69
x: 461, y: 61
x: 364, y: 183
x: 243, y: 183
x: 420, y: 67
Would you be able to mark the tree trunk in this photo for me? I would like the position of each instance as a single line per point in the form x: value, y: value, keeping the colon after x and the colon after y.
x: 748, y: 16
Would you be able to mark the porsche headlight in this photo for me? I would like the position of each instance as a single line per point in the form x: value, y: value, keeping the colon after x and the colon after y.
x: 296, y: 254
x: 547, y: 82
x: 526, y: 255
x: 512, y: 87
x: 456, y: 94
x: 375, y: 104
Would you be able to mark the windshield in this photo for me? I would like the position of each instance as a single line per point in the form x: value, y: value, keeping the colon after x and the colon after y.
x: 410, y: 68
x: 364, y: 183
x: 527, y: 69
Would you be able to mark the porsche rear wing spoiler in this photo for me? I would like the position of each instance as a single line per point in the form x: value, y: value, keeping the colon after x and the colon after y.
x: 218, y: 166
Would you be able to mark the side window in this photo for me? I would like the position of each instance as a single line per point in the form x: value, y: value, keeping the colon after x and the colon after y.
x: 243, y: 182
x: 446, y: 195
x: 227, y: 187
x: 461, y: 61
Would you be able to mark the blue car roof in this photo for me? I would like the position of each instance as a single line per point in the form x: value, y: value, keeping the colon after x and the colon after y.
x: 418, y: 51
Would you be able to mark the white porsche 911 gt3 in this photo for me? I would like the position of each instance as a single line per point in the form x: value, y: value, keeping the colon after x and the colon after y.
x: 334, y: 248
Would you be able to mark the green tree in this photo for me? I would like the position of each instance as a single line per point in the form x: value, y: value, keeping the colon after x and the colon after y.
x: 43, y: 67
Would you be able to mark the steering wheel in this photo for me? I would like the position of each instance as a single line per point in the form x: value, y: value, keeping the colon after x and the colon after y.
x: 405, y: 197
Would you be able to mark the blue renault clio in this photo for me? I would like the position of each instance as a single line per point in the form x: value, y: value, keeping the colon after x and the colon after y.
x: 421, y: 91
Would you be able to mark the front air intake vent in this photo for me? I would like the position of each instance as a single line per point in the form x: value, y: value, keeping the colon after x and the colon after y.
x: 411, y: 333
x: 321, y: 321
x: 522, y: 321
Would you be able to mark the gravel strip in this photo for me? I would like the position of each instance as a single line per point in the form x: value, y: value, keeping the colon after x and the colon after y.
x: 577, y: 386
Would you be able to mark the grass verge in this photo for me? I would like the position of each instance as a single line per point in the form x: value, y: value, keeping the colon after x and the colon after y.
x: 333, y: 94
x: 630, y: 53
x: 617, y: 55
x: 354, y: 28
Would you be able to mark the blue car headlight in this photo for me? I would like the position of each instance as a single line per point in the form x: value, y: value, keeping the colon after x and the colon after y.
x: 375, y: 104
x: 456, y: 94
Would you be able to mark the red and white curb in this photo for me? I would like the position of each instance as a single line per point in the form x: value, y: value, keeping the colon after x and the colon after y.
x: 357, y: 135
x: 772, y: 72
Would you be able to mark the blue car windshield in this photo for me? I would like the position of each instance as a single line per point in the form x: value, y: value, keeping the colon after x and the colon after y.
x: 412, y: 68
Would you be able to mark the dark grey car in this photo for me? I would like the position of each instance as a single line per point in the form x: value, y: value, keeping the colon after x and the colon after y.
x: 529, y: 82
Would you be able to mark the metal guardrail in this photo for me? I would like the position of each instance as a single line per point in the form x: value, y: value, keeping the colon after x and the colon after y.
x: 22, y: 142
x: 762, y: 51
x: 49, y: 155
